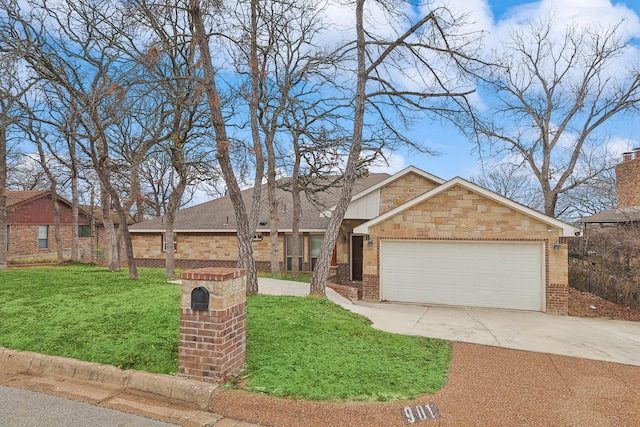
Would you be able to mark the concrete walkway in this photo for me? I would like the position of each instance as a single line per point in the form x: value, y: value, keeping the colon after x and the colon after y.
x: 596, y: 339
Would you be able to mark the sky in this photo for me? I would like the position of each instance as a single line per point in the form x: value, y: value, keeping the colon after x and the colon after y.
x: 496, y: 17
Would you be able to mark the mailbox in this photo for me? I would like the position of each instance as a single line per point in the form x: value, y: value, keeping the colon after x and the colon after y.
x: 200, y: 298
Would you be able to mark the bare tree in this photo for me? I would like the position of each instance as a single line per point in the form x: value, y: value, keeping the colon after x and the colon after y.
x: 508, y: 180
x: 245, y: 224
x: 550, y: 95
x: 433, y: 43
x: 10, y: 94
x: 595, y: 196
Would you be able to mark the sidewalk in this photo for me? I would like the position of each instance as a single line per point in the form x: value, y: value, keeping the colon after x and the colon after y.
x: 162, y: 397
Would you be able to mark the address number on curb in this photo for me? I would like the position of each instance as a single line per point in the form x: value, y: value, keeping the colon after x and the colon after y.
x: 426, y: 412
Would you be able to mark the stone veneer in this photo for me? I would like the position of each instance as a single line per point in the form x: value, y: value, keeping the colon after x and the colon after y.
x: 213, y: 341
x: 459, y: 214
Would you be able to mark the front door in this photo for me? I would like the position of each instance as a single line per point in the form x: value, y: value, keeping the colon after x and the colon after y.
x: 356, y: 258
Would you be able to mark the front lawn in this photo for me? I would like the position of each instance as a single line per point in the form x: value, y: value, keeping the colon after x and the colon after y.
x: 88, y: 313
x: 296, y: 347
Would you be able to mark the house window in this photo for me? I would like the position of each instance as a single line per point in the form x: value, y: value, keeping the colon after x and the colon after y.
x: 84, y: 231
x: 290, y: 250
x: 314, y: 251
x: 8, y: 234
x: 43, y: 237
x: 175, y: 242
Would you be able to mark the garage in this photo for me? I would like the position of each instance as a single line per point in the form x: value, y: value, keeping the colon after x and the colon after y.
x: 492, y: 274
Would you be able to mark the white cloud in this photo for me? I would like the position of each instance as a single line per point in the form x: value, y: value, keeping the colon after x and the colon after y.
x: 395, y: 163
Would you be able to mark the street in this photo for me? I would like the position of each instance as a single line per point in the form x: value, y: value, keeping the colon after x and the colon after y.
x: 23, y: 408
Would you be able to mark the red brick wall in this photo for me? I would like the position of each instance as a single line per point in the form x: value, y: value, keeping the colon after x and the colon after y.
x: 628, y: 183
x: 212, y: 348
x: 213, y: 340
x: 23, y: 244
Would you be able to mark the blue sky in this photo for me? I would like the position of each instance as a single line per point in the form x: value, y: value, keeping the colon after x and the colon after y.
x: 458, y: 158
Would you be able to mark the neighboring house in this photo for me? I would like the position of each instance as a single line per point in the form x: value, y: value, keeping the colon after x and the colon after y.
x: 410, y: 237
x: 30, y: 226
x: 628, y: 194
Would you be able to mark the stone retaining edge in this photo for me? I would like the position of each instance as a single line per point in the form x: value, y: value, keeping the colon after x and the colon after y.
x: 176, y: 388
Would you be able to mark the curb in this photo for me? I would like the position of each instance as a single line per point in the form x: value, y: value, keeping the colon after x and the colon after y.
x: 191, y: 392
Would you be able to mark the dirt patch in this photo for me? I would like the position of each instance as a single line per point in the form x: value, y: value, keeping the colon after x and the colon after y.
x: 585, y: 304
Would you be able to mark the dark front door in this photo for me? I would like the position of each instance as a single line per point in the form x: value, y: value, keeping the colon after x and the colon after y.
x: 356, y: 258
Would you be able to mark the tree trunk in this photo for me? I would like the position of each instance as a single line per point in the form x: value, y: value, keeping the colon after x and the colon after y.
x: 75, y: 252
x: 172, y: 208
x: 56, y: 225
x: 3, y: 199
x: 94, y: 228
x: 297, y: 205
x: 273, y: 212
x: 243, y: 227
x: 110, y: 231
x: 323, y: 264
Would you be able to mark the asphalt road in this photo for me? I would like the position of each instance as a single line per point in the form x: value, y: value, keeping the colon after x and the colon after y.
x: 23, y: 408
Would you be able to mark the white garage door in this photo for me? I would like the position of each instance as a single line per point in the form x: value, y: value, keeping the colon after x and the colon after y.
x: 476, y: 274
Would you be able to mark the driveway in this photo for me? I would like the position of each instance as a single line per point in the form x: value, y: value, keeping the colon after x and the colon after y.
x: 596, y: 339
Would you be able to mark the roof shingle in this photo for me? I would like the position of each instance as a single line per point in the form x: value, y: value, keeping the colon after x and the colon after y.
x: 219, y: 215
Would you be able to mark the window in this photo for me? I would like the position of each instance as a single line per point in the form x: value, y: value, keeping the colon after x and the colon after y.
x: 290, y: 250
x: 8, y: 234
x: 315, y: 243
x: 84, y: 231
x: 43, y: 237
x: 175, y: 242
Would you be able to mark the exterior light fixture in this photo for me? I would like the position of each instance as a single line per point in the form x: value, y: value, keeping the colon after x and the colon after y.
x: 557, y: 246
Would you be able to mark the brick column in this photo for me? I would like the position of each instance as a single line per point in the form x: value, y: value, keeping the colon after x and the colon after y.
x: 212, y: 340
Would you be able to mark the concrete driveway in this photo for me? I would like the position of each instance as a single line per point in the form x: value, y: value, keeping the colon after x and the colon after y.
x: 597, y: 339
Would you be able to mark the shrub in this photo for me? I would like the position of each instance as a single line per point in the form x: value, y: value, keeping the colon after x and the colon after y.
x: 606, y: 262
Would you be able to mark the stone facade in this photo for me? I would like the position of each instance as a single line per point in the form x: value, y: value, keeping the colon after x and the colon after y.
x: 402, y: 190
x: 459, y: 214
x: 198, y: 250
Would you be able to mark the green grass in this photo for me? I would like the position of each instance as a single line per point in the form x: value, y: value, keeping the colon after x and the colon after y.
x: 311, y: 348
x: 307, y: 348
x: 88, y: 313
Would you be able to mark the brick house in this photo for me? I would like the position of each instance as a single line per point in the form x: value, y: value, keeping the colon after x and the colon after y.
x: 409, y: 237
x: 627, y: 193
x: 30, y: 226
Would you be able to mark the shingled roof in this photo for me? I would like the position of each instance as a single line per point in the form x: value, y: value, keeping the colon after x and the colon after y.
x: 18, y: 197
x: 622, y: 215
x: 218, y: 215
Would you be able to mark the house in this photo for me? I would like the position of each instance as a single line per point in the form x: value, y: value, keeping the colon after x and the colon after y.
x: 30, y: 226
x: 205, y: 235
x: 409, y: 237
x: 627, y: 193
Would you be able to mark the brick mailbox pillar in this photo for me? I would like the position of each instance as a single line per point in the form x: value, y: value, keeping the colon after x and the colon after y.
x: 212, y: 323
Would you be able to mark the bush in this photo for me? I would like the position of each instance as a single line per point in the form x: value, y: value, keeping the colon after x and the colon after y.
x: 606, y: 262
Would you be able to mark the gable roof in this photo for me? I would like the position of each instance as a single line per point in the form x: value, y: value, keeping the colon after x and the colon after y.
x: 15, y: 198
x: 218, y: 215
x: 391, y: 178
x: 567, y: 230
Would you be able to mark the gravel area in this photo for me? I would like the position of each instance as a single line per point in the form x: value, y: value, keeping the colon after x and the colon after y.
x: 487, y: 386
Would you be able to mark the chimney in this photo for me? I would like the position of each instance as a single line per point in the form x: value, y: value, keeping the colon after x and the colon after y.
x: 628, y: 179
